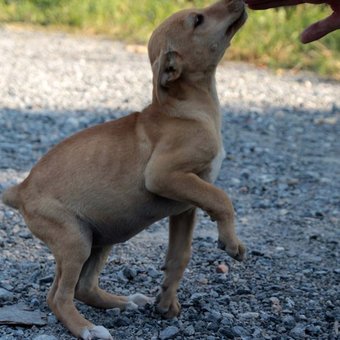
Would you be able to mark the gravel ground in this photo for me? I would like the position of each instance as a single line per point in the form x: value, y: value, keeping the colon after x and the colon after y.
x: 282, y: 170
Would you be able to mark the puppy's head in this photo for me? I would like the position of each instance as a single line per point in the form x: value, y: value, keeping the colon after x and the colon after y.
x: 190, y: 44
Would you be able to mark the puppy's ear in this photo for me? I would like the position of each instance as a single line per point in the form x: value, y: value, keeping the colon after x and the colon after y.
x: 166, y: 69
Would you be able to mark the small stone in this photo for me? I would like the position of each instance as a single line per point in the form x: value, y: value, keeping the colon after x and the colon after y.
x: 226, y: 332
x: 21, y: 315
x: 264, y: 204
x: 249, y: 315
x: 201, y: 326
x: 121, y: 277
x: 213, y: 316
x: 244, y: 190
x: 5, y: 295
x: 276, y: 306
x: 6, y: 286
x: 257, y: 333
x: 34, y: 303
x: 153, y: 272
x: 25, y: 235
x: 197, y: 296
x: 52, y: 320
x: 243, y: 291
x: 288, y: 321
x: 227, y: 319
x: 213, y: 327
x: 290, y: 302
x: 319, y: 214
x: 189, y: 331
x: 122, y: 321
x: 239, y: 331
x: 266, y: 179
x: 169, y: 332
x: 298, y: 332
x: 235, y: 181
x: 329, y: 304
x: 329, y: 316
x: 245, y: 174
x: 321, y: 272
x: 302, y: 317
x: 222, y: 268
x: 257, y: 252
x: 129, y: 273
x: 114, y: 312
x: 202, y: 280
x: 313, y: 330
x: 45, y: 337
x: 292, y: 181
x: 46, y: 279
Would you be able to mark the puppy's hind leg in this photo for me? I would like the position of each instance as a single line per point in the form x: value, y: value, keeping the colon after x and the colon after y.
x: 88, y: 291
x: 178, y: 255
x: 71, y: 247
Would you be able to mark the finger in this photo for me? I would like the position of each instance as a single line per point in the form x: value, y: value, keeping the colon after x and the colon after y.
x: 321, y: 28
x: 264, y: 4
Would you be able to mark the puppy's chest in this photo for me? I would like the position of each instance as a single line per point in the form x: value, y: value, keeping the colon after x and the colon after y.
x: 216, y: 164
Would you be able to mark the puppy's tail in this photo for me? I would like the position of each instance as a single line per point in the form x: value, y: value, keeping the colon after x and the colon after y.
x: 11, y: 197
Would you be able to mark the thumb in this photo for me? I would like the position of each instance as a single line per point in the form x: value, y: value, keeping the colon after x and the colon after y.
x: 321, y: 28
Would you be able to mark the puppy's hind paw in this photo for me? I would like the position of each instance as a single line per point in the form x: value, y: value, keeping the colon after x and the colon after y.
x: 96, y: 332
x: 140, y: 299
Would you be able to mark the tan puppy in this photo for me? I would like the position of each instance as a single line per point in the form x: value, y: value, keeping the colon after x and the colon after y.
x: 107, y: 183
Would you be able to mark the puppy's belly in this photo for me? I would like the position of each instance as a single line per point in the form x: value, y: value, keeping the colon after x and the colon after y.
x: 120, y: 226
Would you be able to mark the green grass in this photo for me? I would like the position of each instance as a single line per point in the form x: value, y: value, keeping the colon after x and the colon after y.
x: 269, y: 38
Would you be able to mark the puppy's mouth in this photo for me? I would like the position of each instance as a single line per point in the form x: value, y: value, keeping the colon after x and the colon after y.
x: 237, y: 24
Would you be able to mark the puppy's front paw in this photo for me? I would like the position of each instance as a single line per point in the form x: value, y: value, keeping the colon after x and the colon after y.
x: 168, y: 308
x: 237, y: 250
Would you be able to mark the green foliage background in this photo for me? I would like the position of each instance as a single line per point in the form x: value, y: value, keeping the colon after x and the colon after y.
x: 269, y: 38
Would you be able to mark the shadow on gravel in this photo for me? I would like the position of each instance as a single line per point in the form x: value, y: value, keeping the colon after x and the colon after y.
x: 282, y: 172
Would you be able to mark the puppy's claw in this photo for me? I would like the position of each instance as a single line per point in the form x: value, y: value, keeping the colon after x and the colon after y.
x: 96, y: 332
x: 238, y: 253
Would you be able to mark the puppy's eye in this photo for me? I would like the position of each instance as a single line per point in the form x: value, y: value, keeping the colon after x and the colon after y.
x: 198, y: 20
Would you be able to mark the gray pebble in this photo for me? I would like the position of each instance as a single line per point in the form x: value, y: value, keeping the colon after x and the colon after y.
x: 239, y: 331
x: 190, y: 330
x: 169, y: 332
x: 129, y: 273
x: 52, y: 320
x: 299, y: 331
x: 249, y: 315
x: 289, y: 321
x: 5, y: 295
x: 45, y: 337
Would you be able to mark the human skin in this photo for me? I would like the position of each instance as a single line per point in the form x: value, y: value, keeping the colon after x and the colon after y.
x: 314, y: 31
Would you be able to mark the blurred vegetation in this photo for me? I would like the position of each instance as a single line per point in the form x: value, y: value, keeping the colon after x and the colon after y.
x: 269, y: 38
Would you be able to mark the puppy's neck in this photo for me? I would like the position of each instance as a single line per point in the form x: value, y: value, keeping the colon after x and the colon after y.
x: 193, y: 96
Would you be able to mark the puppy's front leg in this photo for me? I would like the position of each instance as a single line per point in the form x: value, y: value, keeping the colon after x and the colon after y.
x: 179, y: 251
x: 189, y: 188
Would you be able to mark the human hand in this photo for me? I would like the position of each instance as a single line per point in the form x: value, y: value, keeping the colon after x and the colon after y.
x: 314, y: 31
